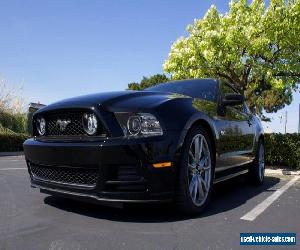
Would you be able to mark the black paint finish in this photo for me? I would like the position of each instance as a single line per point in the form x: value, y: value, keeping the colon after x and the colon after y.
x: 234, y: 131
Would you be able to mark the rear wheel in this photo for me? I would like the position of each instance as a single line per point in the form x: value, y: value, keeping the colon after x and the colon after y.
x: 257, y: 168
x: 196, y: 172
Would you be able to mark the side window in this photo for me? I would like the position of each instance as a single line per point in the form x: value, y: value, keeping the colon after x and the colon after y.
x: 227, y: 89
x: 205, y: 90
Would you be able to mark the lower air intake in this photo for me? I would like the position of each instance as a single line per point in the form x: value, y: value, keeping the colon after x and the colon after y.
x: 65, y: 175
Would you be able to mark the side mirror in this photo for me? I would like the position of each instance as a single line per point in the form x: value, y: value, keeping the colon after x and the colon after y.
x: 233, y: 99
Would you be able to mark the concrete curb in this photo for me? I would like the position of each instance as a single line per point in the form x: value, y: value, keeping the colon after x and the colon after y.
x: 11, y: 153
x: 281, y: 172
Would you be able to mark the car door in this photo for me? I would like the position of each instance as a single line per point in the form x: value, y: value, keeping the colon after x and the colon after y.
x: 236, y: 132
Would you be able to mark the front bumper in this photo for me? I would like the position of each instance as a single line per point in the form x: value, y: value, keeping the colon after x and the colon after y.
x: 123, y: 168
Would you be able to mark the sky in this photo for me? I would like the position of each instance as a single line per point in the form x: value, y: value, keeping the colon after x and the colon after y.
x: 58, y: 49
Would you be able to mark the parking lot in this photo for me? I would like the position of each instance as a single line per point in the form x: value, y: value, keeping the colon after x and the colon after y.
x: 31, y: 220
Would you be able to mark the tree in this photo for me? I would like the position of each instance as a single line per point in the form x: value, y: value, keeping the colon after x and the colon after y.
x: 10, y: 100
x: 254, y: 47
x: 12, y: 117
x: 148, y: 82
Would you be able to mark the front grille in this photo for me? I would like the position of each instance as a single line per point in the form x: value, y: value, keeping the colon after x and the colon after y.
x: 75, y: 127
x: 65, y: 175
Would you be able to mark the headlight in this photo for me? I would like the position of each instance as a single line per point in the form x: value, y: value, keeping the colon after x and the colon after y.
x: 41, y: 126
x: 140, y: 124
x: 90, y: 123
x: 134, y: 125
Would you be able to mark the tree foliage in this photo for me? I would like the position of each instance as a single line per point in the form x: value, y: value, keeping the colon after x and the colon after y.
x: 148, y: 82
x: 10, y: 99
x: 12, y: 116
x: 254, y: 47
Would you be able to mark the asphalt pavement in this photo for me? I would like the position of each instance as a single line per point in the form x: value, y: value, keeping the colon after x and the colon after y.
x: 31, y: 220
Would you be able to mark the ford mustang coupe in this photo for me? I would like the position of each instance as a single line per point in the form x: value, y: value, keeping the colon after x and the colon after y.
x: 170, y: 142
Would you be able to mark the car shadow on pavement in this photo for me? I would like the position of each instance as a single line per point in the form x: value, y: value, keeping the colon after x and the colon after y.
x: 226, y: 196
x: 236, y: 192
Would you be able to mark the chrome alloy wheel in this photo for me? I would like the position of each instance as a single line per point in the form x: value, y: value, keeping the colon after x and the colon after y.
x: 261, y: 162
x: 199, y: 170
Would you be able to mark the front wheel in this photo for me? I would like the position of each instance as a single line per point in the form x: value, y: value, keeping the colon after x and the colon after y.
x: 196, y: 172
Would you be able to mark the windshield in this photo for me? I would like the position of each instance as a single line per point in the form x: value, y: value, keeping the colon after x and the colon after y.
x: 199, y: 88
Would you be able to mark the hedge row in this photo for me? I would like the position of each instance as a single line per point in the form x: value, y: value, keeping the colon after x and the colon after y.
x: 13, y: 122
x: 283, y: 150
x: 12, y: 141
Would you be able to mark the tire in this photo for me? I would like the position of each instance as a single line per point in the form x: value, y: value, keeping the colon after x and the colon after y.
x: 257, y: 168
x: 195, y: 177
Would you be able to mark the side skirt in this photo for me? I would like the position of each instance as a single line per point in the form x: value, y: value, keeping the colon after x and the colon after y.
x: 231, y: 173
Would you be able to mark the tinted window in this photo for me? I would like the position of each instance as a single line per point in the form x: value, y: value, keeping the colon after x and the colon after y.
x: 203, y: 89
x: 226, y: 89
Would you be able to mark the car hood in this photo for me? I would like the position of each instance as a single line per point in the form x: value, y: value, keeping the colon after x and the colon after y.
x: 116, y: 101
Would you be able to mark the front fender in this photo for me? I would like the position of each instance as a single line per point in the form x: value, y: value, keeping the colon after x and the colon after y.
x: 199, y: 118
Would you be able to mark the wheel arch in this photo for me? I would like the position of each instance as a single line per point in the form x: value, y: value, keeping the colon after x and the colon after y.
x: 261, y: 137
x: 203, y: 123
x: 258, y: 137
x: 209, y: 127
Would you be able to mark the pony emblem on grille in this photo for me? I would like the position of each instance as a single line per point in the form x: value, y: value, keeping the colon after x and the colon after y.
x: 62, y: 124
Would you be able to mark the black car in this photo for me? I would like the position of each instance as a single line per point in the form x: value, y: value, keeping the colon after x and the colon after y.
x: 170, y: 142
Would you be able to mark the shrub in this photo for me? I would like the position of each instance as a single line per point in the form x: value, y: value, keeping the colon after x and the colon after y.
x: 283, y: 150
x: 10, y: 141
x: 4, y: 130
x: 14, y: 122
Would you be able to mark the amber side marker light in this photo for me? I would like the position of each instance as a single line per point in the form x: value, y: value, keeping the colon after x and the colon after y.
x: 162, y: 164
